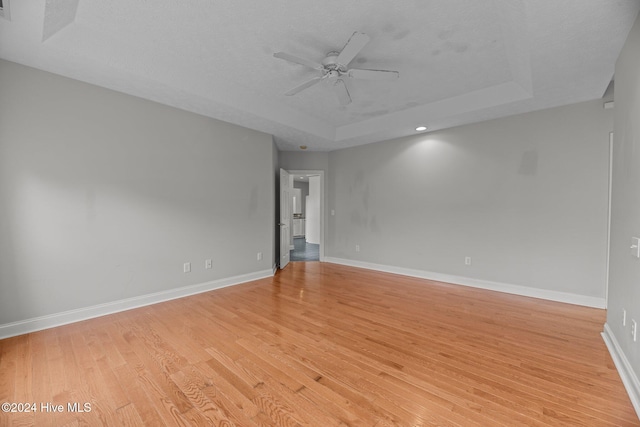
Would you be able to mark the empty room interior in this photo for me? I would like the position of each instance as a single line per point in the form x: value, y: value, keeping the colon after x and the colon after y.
x: 307, y: 213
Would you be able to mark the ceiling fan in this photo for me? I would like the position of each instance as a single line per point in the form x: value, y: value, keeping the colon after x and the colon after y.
x: 334, y: 68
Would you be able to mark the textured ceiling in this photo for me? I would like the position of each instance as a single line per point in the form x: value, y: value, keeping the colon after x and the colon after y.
x: 460, y: 61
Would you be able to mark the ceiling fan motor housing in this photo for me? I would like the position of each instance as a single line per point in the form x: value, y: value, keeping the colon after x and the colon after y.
x: 331, y: 65
x: 332, y: 74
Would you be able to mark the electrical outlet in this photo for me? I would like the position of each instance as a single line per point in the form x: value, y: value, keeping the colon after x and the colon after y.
x: 186, y: 267
x: 259, y: 256
x: 467, y: 260
x: 624, y: 317
x: 357, y: 248
x: 208, y: 263
x: 634, y: 330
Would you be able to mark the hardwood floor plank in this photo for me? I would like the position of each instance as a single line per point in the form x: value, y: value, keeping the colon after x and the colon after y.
x: 9, y: 364
x: 213, y: 410
x: 128, y: 416
x: 42, y: 392
x: 410, y: 373
x: 325, y: 345
x: 158, y: 363
x: 242, y: 406
x: 343, y: 350
x: 321, y: 396
x: 274, y: 382
x: 369, y: 361
x: 134, y: 393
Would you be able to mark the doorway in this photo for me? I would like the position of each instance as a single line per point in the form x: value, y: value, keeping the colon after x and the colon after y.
x: 306, y: 216
x: 304, y: 251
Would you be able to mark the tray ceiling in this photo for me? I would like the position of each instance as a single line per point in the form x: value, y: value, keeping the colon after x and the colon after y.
x: 460, y: 61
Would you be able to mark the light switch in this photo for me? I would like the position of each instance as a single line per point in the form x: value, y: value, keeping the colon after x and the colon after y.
x: 635, y: 247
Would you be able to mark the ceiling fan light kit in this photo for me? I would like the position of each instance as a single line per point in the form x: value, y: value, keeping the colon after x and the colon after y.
x: 334, y: 68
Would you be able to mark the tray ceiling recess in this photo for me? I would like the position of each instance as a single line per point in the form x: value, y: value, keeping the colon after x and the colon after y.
x: 447, y: 62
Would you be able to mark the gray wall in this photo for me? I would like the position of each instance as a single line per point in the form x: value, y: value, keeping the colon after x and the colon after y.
x: 302, y: 160
x: 524, y: 196
x: 104, y: 196
x: 624, y: 275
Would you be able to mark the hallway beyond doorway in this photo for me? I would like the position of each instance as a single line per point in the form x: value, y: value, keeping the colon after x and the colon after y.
x: 303, y: 251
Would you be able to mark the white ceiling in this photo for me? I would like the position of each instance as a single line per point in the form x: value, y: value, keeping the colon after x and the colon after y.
x: 460, y: 61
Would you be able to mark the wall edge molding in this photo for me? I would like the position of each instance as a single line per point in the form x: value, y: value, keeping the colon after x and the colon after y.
x: 625, y: 370
x: 34, y: 324
x: 525, y: 291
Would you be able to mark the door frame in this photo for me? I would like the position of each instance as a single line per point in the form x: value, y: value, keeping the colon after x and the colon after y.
x: 322, y: 202
x: 610, y: 189
x: 284, y: 217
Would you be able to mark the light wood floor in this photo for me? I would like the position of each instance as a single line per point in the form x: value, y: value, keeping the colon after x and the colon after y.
x: 324, y: 345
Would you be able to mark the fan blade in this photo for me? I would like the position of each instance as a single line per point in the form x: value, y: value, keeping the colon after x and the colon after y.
x: 303, y: 86
x: 352, y: 48
x: 297, y: 60
x: 373, y: 74
x: 341, y: 91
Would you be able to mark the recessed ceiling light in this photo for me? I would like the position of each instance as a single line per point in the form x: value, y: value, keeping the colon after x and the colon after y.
x: 421, y: 128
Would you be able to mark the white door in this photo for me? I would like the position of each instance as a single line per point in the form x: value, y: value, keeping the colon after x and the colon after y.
x: 285, y: 217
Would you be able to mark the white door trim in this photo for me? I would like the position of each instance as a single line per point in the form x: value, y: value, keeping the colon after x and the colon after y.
x: 606, y: 284
x: 284, y: 222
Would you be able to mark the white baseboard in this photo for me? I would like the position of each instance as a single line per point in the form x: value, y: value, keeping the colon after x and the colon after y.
x: 478, y: 283
x: 628, y: 376
x: 44, y: 322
